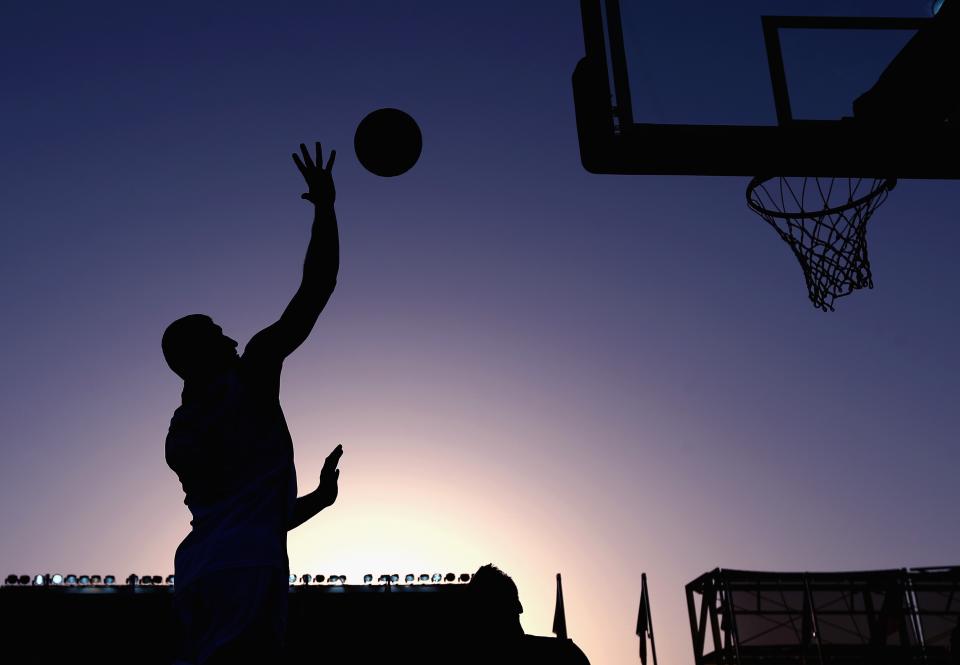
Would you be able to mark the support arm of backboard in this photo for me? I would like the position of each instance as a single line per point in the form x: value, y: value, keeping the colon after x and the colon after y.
x: 623, y: 111
x: 771, y: 39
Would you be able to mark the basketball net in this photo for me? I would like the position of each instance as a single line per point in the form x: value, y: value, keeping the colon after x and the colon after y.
x: 824, y: 220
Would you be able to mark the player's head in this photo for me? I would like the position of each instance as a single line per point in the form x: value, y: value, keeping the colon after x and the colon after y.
x: 195, y: 347
x: 496, y: 601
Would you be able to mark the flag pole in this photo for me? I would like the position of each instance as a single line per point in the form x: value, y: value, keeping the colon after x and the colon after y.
x: 559, y: 615
x: 653, y: 644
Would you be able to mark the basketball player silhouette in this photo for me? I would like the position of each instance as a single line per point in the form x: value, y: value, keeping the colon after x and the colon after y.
x: 230, y: 447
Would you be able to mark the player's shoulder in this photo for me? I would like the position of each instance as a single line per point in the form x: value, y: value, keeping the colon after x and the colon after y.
x: 542, y: 649
x: 253, y: 364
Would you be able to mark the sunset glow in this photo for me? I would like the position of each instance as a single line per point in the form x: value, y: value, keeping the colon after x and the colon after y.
x: 526, y: 364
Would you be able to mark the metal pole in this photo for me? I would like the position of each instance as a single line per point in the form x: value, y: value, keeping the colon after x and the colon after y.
x: 618, y: 63
x: 813, y: 618
x: 694, y: 632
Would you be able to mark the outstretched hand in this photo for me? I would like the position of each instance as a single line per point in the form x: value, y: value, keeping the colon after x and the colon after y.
x: 327, y: 489
x: 319, y: 179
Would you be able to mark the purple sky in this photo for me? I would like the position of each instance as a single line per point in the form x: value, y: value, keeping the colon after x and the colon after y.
x: 526, y: 364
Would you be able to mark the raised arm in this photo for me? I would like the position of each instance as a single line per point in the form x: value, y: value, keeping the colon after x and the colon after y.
x: 320, y: 267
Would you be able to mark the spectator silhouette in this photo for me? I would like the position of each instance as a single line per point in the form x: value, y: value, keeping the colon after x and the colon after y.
x: 230, y: 447
x: 494, y: 635
x: 495, y: 602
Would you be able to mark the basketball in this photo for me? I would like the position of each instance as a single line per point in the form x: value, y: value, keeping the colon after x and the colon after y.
x: 388, y: 142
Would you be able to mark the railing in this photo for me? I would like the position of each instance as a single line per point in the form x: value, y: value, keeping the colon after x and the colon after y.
x: 904, y: 616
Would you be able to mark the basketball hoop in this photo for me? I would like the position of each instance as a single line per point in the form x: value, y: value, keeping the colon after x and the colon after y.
x: 824, y: 220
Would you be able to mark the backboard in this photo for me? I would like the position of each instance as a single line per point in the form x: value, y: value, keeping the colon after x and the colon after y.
x: 637, y: 53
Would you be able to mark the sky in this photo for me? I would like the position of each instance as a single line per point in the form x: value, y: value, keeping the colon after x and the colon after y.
x: 526, y: 364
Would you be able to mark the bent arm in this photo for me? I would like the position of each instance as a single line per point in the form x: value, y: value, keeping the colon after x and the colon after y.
x: 324, y: 496
x: 306, y: 507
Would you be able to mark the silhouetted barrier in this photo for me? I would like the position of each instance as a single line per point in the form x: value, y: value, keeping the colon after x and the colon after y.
x: 423, y: 623
x: 859, y: 618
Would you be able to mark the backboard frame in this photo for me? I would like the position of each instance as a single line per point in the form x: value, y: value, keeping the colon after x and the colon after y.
x: 612, y: 143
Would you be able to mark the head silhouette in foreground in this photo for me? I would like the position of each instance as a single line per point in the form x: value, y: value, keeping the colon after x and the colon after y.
x: 494, y: 634
x: 496, y: 601
x: 196, y: 349
x: 230, y: 447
